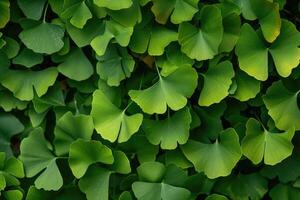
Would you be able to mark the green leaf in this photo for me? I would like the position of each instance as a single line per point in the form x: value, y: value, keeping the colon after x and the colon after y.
x: 76, y: 66
x: 69, y: 128
x: 111, y: 122
x: 95, y: 183
x: 256, y: 65
x: 43, y: 38
x: 218, y: 79
x: 13, y: 195
x: 113, y: 29
x: 169, y: 132
x: 261, y: 144
x: 216, y: 159
x: 282, y: 106
x: 179, y: 10
x: 115, y: 65
x: 28, y: 58
x: 83, y: 153
x: 169, y: 91
x: 121, y: 163
x: 77, y: 12
x: 203, y: 43
x: 284, y: 192
x: 5, y: 12
x: 113, y: 4
x: 8, y: 102
x: 9, y: 126
x: 216, y: 197
x: 151, y: 38
x: 247, y: 86
x: 23, y: 83
x: 11, y: 47
x: 158, y: 191
x: 37, y: 156
x: 151, y: 171
x: 33, y: 9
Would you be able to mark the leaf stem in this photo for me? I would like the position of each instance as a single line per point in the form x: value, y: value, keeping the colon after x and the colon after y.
x: 45, y: 13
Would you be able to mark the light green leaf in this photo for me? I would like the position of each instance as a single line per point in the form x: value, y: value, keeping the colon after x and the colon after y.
x: 121, y: 163
x: 153, y: 38
x: 33, y: 9
x: 256, y: 64
x: 43, y: 38
x: 171, y: 91
x: 83, y: 153
x: 115, y: 65
x: 14, y: 167
x: 28, y: 58
x: 151, y: 171
x: 95, y: 183
x: 217, y: 81
x: 247, y: 86
x: 169, y: 132
x: 179, y: 10
x: 261, y: 144
x: 37, y: 156
x: 159, y: 191
x: 76, y: 66
x: 203, y: 43
x: 69, y: 128
x: 77, y: 12
x: 23, y: 83
x: 13, y: 195
x: 5, y: 12
x: 112, y: 30
x: 9, y: 126
x: 111, y: 122
x: 282, y: 106
x: 113, y: 4
x: 216, y: 159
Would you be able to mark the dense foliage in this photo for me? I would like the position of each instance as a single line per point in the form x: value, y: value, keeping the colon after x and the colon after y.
x: 149, y: 99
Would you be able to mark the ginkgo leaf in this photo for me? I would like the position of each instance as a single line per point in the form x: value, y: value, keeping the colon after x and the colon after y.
x: 216, y: 159
x: 247, y: 86
x: 69, y: 128
x: 284, y: 192
x: 23, y: 83
x: 76, y: 66
x: 256, y: 65
x: 216, y: 197
x: 5, y: 12
x: 113, y: 4
x: 111, y: 122
x: 9, y: 126
x: 32, y: 9
x: 172, y: 60
x: 95, y: 183
x: 43, y: 38
x: 151, y: 38
x: 217, y: 79
x: 179, y: 10
x: 77, y: 12
x: 203, y: 43
x: 159, y: 191
x: 282, y: 106
x: 9, y: 102
x: 169, y: 91
x: 169, y: 132
x: 261, y: 144
x: 37, y: 156
x: 28, y: 58
x: 83, y: 153
x: 112, y: 30
x: 115, y: 65
x: 151, y: 171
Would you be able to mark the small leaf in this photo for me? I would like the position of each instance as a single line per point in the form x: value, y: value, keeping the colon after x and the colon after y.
x: 5, y: 12
x: 28, y: 58
x: 43, y: 38
x: 83, y: 153
x: 261, y: 144
x: 76, y: 66
x: 33, y: 9
x: 113, y: 4
x: 169, y: 132
x: 203, y: 43
x: 217, y: 159
x: 69, y: 128
x: 217, y: 79
x: 169, y: 91
x: 111, y: 122
x: 151, y: 171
